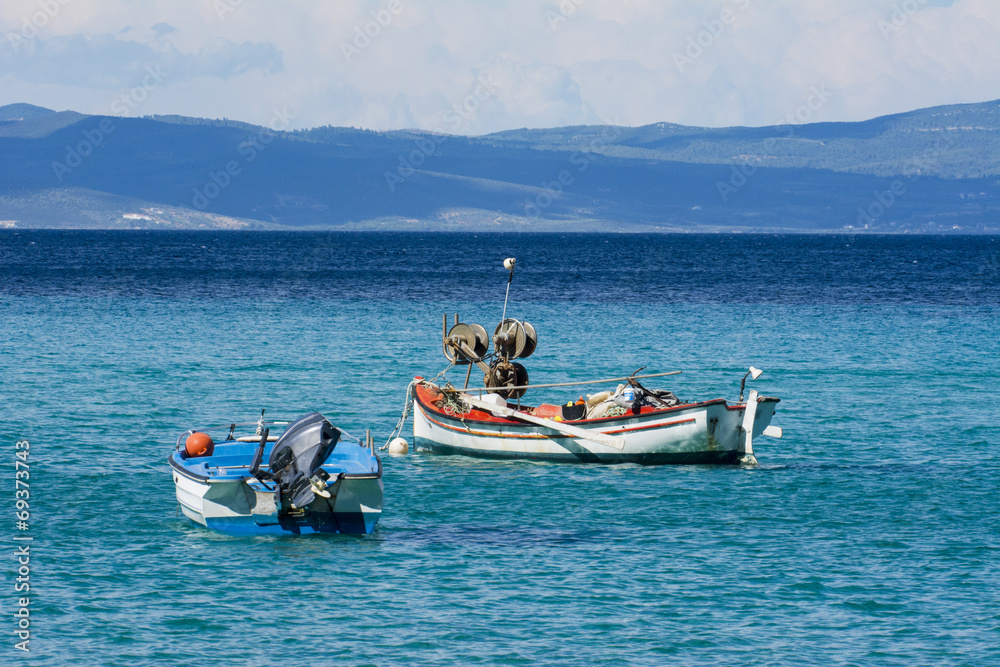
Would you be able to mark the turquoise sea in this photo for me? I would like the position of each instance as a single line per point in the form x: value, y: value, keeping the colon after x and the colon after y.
x: 868, y: 535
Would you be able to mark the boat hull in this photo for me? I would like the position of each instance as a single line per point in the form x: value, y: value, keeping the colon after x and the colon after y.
x: 243, y: 506
x: 700, y: 433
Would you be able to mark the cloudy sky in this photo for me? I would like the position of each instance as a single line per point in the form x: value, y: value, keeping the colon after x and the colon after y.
x: 478, y: 66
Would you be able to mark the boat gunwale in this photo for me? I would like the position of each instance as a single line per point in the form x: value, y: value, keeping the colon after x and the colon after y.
x: 600, y: 422
x: 344, y: 435
x: 205, y: 479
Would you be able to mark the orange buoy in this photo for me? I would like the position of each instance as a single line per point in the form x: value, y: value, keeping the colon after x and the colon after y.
x: 199, y: 444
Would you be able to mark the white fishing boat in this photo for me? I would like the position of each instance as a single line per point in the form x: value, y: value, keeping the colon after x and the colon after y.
x: 629, y: 423
x: 314, y: 478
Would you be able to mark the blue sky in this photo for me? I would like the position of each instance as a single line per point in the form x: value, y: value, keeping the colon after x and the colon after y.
x: 472, y: 67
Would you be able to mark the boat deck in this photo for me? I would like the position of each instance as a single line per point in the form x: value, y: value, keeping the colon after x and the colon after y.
x: 231, y: 461
x: 428, y: 397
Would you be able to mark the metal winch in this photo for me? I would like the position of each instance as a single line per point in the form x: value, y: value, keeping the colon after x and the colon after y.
x: 467, y: 344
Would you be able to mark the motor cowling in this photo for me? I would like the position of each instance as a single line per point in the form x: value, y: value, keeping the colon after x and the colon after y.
x: 298, y: 455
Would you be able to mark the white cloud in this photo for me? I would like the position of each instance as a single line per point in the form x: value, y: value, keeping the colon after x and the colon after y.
x: 603, y: 60
x: 106, y: 61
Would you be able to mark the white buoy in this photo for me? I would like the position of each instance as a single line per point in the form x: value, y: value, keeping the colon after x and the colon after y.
x: 398, y: 446
x: 509, y: 263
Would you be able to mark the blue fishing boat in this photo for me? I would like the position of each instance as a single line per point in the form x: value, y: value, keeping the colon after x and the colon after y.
x: 316, y: 479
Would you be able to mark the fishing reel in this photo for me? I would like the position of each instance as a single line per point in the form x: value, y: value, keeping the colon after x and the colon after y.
x: 504, y: 374
x: 466, y: 344
x: 513, y: 339
x: 470, y: 336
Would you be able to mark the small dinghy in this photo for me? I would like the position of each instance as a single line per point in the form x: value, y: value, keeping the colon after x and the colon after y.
x: 629, y: 424
x: 316, y: 479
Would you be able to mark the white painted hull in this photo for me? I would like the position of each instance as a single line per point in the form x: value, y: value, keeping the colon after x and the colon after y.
x: 699, y: 433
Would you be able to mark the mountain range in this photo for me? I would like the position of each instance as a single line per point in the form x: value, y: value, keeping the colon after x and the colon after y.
x: 929, y: 170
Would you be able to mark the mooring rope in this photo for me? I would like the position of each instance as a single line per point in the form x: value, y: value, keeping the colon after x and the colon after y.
x: 408, y: 405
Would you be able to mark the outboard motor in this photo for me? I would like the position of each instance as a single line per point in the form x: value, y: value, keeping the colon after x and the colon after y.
x: 297, y: 456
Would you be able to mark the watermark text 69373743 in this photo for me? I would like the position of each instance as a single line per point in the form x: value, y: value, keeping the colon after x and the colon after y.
x: 22, y: 548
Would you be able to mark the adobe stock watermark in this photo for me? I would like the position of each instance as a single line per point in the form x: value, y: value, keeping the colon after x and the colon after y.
x: 567, y: 8
x: 704, y: 39
x: 986, y: 276
x: 900, y: 16
x: 137, y: 95
x: 881, y: 203
x: 740, y: 174
x: 427, y: 147
x: 579, y: 162
x: 22, y: 551
x: 814, y: 101
x: 485, y: 88
x: 249, y: 149
x: 883, y: 200
x: 223, y: 7
x: 93, y: 138
x: 364, y: 34
x: 30, y: 26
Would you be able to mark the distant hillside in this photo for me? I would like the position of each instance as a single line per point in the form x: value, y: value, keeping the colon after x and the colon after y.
x: 927, y: 170
x: 29, y: 121
x: 23, y: 111
x: 958, y: 141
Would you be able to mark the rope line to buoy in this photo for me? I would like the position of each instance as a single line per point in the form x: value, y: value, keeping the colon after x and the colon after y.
x: 407, y: 405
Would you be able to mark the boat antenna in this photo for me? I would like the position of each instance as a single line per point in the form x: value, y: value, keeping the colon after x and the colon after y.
x: 509, y: 265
